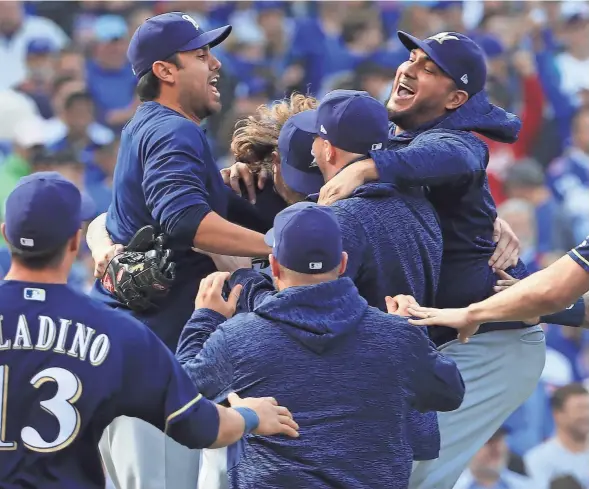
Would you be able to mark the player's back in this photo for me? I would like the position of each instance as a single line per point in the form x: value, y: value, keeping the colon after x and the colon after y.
x: 393, y: 241
x: 60, y: 383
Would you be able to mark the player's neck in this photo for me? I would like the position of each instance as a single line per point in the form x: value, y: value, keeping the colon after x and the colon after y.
x: 48, y: 276
x: 176, y: 107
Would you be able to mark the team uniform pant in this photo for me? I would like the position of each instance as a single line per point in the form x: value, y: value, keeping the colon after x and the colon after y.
x: 139, y: 456
x: 500, y: 370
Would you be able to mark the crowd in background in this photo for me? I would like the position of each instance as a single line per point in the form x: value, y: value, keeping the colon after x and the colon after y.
x: 67, y: 89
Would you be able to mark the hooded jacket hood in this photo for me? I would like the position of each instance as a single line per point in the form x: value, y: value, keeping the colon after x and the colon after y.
x: 477, y: 115
x: 317, y: 316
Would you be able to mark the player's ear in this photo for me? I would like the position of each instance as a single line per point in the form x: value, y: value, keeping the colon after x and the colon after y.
x: 275, y: 158
x: 3, y: 229
x: 455, y: 99
x: 344, y: 263
x: 164, y: 71
x: 74, y: 244
x: 274, y: 266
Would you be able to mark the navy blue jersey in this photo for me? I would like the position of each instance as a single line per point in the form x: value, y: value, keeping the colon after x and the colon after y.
x: 70, y: 365
x: 581, y: 254
x: 165, y: 176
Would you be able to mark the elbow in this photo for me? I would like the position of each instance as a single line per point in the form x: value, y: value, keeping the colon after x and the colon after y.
x: 183, y: 226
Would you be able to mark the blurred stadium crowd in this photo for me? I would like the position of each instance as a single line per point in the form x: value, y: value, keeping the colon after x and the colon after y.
x: 66, y: 90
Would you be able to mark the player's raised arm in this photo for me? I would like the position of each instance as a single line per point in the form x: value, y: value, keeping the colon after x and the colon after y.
x: 545, y: 292
x: 156, y: 389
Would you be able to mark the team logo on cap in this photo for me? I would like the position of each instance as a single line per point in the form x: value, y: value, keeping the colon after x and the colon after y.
x: 443, y: 36
x: 191, y: 20
x: 322, y: 129
x: 464, y: 79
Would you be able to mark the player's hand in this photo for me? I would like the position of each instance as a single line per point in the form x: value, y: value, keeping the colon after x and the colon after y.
x: 102, y: 257
x: 346, y: 181
x: 507, y: 250
x: 400, y: 304
x: 506, y: 282
x: 210, y: 294
x: 453, y: 318
x: 241, y: 172
x: 274, y: 419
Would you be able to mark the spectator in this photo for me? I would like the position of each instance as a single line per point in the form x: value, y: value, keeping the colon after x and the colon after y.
x: 375, y: 79
x: 520, y: 215
x: 28, y: 146
x: 71, y: 64
x: 488, y: 468
x: 14, y: 108
x: 17, y: 29
x: 567, y: 453
x: 571, y: 343
x: 40, y: 70
x: 110, y: 78
x: 83, y: 135
x: 555, y: 235
x: 568, y: 176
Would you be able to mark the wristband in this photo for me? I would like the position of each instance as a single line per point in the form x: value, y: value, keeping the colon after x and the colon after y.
x: 250, y: 417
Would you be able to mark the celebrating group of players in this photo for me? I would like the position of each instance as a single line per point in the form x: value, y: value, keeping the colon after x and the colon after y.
x: 355, y: 202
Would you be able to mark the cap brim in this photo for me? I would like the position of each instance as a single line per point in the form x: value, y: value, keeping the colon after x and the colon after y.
x: 306, y: 183
x: 269, y: 238
x: 211, y: 39
x: 411, y: 43
x: 306, y: 121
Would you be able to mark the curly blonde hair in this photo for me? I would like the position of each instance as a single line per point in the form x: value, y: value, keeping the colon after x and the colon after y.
x: 256, y: 137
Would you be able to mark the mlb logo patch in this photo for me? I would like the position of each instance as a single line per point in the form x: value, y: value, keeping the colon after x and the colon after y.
x: 315, y: 265
x: 35, y: 294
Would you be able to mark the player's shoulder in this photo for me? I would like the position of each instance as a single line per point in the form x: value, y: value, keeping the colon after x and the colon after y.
x: 156, y: 122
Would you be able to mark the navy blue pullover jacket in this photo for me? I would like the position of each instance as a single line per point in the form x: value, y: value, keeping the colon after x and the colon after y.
x: 165, y: 176
x: 347, y: 372
x: 448, y: 158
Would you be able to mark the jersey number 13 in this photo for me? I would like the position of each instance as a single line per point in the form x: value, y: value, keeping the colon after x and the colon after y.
x: 61, y: 406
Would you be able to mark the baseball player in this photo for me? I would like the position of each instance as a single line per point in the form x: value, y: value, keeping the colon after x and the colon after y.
x: 541, y: 293
x: 166, y: 178
x: 69, y: 365
x: 437, y: 102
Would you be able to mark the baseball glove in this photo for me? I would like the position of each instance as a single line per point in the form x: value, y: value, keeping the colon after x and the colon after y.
x: 143, y: 274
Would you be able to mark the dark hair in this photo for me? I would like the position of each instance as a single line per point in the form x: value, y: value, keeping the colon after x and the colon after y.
x: 77, y: 97
x: 65, y: 156
x: 562, y: 395
x: 61, y: 81
x: 38, y: 261
x: 148, y: 87
x: 355, y: 25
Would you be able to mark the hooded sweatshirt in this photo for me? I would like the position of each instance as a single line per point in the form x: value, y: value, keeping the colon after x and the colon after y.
x: 348, y: 373
x: 447, y: 157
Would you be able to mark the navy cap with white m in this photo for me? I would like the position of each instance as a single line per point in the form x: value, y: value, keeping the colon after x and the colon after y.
x: 350, y: 120
x: 161, y: 36
x: 306, y: 238
x: 43, y: 212
x: 457, y: 55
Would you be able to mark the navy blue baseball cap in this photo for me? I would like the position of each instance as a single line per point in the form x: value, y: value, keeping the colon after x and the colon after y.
x: 350, y: 120
x: 41, y: 46
x: 306, y: 238
x: 456, y: 54
x: 43, y: 211
x: 161, y: 36
x: 297, y: 166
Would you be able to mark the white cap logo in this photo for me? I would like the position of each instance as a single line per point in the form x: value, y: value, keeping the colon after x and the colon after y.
x: 315, y: 265
x: 29, y: 243
x: 464, y: 79
x: 322, y: 129
x: 191, y: 20
x: 376, y: 146
x: 443, y: 36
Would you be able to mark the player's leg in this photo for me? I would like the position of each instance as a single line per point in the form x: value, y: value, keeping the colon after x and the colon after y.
x: 139, y: 456
x: 500, y: 371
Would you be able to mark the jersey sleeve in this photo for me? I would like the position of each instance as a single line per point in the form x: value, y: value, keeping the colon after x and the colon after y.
x: 156, y: 389
x: 174, y: 180
x: 581, y: 254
